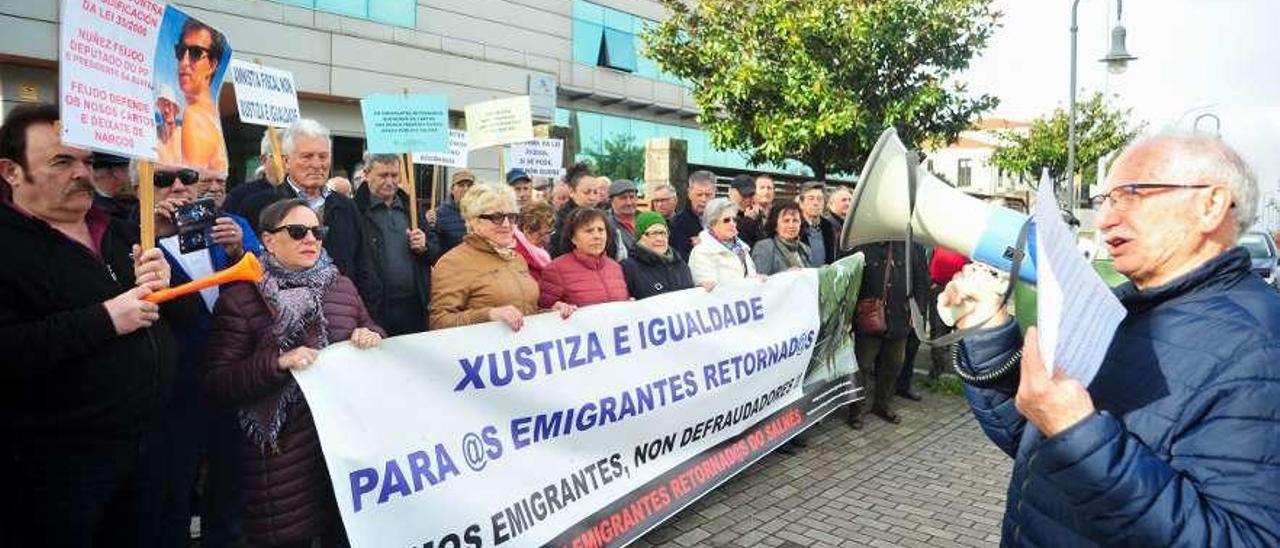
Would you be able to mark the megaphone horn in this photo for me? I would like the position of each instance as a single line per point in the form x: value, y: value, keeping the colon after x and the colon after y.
x: 247, y: 270
x: 943, y: 215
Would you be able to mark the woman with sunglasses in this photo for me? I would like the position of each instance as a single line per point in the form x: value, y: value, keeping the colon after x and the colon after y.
x: 484, y: 279
x: 720, y: 255
x: 584, y: 275
x: 784, y: 250
x: 262, y: 331
x: 653, y: 267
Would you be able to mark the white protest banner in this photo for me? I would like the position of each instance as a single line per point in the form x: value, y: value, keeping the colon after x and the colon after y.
x: 539, y: 157
x: 456, y: 156
x: 265, y: 96
x: 580, y: 432
x: 105, y: 73
x: 499, y: 122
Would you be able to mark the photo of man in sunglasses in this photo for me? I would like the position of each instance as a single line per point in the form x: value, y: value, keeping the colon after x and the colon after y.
x: 191, y: 56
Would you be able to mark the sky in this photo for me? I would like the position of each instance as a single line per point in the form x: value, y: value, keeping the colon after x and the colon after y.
x: 1194, y: 56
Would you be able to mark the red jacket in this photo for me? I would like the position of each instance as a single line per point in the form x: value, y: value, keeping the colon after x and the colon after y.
x: 287, y: 497
x: 580, y: 279
x: 945, y: 265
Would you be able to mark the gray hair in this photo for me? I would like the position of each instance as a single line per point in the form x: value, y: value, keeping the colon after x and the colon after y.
x: 384, y: 159
x: 264, y: 148
x: 702, y: 177
x: 715, y: 208
x: 659, y: 188
x: 1197, y: 157
x: 303, y: 127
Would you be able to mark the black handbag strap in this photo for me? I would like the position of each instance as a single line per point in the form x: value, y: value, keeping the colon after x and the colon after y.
x: 1018, y: 252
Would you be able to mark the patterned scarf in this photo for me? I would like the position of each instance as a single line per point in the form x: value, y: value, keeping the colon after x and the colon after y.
x: 739, y: 248
x: 296, y: 301
x: 790, y: 252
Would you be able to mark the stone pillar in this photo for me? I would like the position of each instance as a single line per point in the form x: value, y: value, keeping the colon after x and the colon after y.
x: 666, y: 160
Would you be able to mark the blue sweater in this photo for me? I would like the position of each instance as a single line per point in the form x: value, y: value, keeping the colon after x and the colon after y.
x: 1185, y: 447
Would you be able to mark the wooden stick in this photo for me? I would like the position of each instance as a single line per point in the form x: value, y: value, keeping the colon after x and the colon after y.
x: 502, y: 163
x: 437, y: 185
x: 277, y: 157
x: 412, y: 183
x: 146, y: 204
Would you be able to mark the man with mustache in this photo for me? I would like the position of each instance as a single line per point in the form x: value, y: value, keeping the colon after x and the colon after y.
x: 308, y: 157
x: 1176, y: 441
x: 87, y: 362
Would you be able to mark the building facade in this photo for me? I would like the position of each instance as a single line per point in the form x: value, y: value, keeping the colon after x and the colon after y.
x: 966, y: 163
x: 584, y: 55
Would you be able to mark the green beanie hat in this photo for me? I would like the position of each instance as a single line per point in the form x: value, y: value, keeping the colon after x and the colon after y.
x: 648, y: 219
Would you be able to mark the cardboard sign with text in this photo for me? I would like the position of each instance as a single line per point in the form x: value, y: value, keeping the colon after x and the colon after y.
x: 499, y: 122
x: 456, y: 156
x: 191, y: 59
x: 265, y: 96
x: 539, y: 157
x: 105, y: 74
x: 399, y: 123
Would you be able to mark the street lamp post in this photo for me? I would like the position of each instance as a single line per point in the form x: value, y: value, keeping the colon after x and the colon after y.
x: 1117, y: 61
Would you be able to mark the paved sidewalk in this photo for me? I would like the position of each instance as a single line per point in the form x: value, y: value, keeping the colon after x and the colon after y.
x: 934, y: 480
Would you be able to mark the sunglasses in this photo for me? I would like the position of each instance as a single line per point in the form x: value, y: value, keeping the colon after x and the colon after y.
x: 497, y: 218
x: 194, y: 53
x: 299, y: 232
x: 165, y: 179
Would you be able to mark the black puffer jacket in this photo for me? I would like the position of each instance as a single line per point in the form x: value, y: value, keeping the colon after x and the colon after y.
x: 64, y: 372
x: 649, y: 274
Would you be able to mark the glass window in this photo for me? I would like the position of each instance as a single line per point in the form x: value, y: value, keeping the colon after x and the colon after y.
x: 586, y: 11
x: 393, y: 12
x: 586, y: 42
x: 964, y: 172
x: 352, y: 8
x: 619, y: 21
x: 401, y: 13
x: 619, y: 50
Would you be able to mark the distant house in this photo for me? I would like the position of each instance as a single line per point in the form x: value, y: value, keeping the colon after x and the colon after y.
x: 966, y: 163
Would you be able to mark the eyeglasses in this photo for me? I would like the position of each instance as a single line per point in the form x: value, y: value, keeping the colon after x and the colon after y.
x: 667, y: 199
x: 728, y: 220
x: 165, y: 179
x: 1126, y: 196
x: 655, y: 233
x: 194, y: 53
x: 299, y: 232
x: 498, y: 218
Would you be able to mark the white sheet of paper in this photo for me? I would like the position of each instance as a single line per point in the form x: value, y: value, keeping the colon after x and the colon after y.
x: 1076, y: 313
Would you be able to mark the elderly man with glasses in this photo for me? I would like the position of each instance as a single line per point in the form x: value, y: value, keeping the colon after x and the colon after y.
x: 1176, y: 442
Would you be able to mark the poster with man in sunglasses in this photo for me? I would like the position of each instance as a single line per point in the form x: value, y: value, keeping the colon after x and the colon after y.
x: 191, y: 57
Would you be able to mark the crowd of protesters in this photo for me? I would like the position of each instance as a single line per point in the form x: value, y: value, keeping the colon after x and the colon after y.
x: 115, y: 405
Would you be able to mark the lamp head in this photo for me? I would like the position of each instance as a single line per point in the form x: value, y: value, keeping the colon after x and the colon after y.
x: 1118, y: 58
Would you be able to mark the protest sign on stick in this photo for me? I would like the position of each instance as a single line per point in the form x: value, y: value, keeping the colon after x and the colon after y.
x: 191, y: 59
x: 146, y: 205
x: 499, y: 122
x: 400, y: 123
x: 539, y: 157
x: 266, y: 96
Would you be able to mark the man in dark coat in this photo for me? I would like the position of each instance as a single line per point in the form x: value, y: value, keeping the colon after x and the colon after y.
x: 687, y: 223
x: 237, y: 196
x: 307, y: 150
x: 400, y: 255
x: 742, y: 191
x: 1176, y: 441
x: 818, y: 231
x: 87, y: 363
x: 447, y: 224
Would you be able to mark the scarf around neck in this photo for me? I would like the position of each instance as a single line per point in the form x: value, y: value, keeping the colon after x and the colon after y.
x: 295, y: 299
x: 790, y: 252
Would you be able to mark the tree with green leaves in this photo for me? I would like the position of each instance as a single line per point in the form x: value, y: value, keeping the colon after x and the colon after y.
x: 619, y: 158
x: 1100, y: 130
x: 817, y: 81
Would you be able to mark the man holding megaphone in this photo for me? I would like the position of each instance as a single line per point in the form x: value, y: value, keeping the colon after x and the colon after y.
x: 1177, y: 439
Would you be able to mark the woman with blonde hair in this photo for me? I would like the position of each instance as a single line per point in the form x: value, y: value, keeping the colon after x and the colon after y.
x: 484, y: 278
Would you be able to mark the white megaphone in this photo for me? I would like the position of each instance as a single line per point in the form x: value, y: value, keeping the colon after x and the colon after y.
x: 943, y: 215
